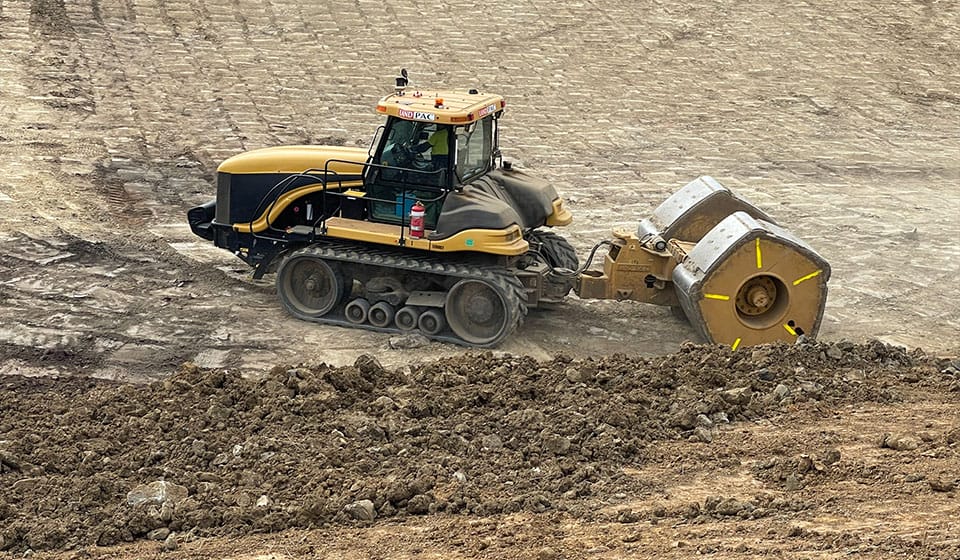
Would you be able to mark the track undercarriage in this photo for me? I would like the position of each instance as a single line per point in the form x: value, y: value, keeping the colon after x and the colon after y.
x: 464, y: 301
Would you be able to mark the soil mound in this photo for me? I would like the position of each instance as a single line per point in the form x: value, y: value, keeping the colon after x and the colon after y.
x: 208, y: 452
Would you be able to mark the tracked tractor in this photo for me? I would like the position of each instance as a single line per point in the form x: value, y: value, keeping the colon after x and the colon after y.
x: 431, y: 231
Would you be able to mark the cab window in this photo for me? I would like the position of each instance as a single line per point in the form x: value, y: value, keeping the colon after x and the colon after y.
x: 474, y: 149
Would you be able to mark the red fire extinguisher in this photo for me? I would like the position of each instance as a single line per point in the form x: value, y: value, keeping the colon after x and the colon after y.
x: 417, y: 212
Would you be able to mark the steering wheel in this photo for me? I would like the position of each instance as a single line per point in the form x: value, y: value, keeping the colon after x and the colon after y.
x: 403, y: 153
x: 409, y: 158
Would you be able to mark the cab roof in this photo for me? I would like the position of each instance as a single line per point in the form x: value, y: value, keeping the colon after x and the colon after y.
x: 441, y: 106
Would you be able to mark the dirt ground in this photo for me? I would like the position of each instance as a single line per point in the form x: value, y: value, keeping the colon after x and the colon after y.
x: 841, y: 120
x: 814, y: 450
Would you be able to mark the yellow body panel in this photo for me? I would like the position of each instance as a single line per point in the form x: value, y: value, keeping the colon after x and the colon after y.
x: 560, y: 216
x: 274, y: 210
x: 372, y: 232
x: 296, y: 159
x: 459, y: 106
x: 506, y: 242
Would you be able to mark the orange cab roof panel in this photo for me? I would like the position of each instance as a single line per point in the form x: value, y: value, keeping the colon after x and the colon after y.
x: 441, y: 106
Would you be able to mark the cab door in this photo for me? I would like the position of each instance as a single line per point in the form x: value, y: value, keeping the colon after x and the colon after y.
x: 409, y: 166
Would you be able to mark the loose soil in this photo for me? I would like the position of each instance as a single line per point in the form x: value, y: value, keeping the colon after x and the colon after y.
x: 648, y: 455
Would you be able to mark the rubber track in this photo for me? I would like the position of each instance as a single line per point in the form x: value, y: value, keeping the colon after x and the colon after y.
x: 502, y: 278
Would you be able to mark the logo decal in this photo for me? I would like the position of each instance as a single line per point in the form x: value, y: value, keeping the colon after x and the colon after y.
x: 487, y: 110
x: 417, y: 115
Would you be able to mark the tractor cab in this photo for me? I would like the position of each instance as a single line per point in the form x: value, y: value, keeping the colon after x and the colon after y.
x: 432, y: 144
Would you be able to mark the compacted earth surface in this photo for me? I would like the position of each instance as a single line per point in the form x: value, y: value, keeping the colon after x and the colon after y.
x: 155, y: 401
x: 812, y: 450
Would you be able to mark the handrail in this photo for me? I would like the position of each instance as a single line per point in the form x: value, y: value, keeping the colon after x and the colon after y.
x: 404, y: 220
x: 325, y: 176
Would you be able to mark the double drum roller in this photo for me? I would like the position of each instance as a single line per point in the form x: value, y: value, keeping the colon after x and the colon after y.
x: 739, y: 278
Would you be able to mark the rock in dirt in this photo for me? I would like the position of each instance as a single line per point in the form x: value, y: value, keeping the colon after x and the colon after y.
x: 941, y: 485
x: 8, y: 461
x: 369, y: 364
x: 208, y: 477
x: 361, y: 511
x: 781, y: 392
x: 171, y: 543
x: 793, y: 483
x: 160, y: 534
x: 720, y: 418
x: 811, y: 389
x: 740, y: 396
x: 831, y: 456
x: 731, y: 506
x: 385, y: 403
x: 159, y: 492
x: 408, y: 341
x: 899, y: 442
x: 764, y: 374
x: 710, y: 504
x: 628, y: 516
x: 491, y: 442
x: 547, y: 553
x: 419, y: 504
x: 702, y: 434
x: 556, y: 444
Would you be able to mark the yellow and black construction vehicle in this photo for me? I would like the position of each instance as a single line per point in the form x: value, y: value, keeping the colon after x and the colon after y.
x: 430, y: 230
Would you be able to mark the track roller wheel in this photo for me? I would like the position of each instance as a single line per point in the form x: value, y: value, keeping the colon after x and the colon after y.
x: 432, y: 321
x: 407, y: 317
x: 309, y: 286
x: 381, y: 314
x: 357, y: 310
x: 482, y: 313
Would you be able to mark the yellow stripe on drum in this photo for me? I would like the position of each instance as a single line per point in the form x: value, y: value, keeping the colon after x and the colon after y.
x: 807, y: 277
x: 736, y: 344
x: 790, y: 330
x: 720, y: 297
x: 759, y: 256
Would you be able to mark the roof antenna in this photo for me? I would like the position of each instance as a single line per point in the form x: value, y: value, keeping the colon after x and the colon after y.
x: 402, y: 81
